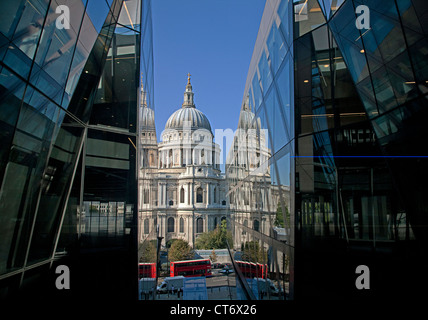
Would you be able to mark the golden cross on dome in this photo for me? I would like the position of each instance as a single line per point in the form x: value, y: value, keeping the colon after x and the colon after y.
x: 188, y: 78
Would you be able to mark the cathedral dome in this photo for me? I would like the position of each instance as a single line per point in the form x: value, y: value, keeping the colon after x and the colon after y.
x: 247, y: 119
x: 147, y: 119
x: 188, y: 116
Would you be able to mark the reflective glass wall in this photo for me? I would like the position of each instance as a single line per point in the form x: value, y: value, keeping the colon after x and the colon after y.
x: 259, y: 166
x: 341, y: 110
x: 69, y: 81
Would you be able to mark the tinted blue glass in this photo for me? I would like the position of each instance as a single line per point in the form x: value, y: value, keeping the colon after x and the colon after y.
x: 276, y: 124
x: 10, y: 14
x: 365, y: 91
x: 17, y: 60
x: 284, y: 84
x: 277, y: 48
x: 256, y: 91
x: 97, y: 11
x: 29, y: 27
x: 265, y: 72
x: 326, y: 7
x: 384, y: 92
x: 45, y: 83
x: 12, y: 90
x: 285, y: 15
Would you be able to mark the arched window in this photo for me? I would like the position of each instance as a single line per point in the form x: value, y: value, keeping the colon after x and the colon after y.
x: 171, y: 222
x: 182, y: 195
x: 256, y: 225
x: 215, y: 195
x: 146, y: 196
x: 146, y: 226
x: 181, y: 228
x: 244, y: 231
x: 199, y: 195
x: 199, y: 225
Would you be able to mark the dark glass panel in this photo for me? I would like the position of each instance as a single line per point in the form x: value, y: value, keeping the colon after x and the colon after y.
x: 55, y: 187
x: 109, y: 206
x: 81, y: 103
x: 10, y: 15
x: 116, y: 96
x: 35, y: 131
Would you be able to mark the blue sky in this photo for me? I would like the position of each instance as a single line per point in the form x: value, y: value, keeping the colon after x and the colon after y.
x: 214, y: 41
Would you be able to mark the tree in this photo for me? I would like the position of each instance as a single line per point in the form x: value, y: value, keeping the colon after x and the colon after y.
x: 215, y: 239
x: 213, y: 256
x: 180, y: 250
x: 147, y: 251
x: 279, y: 219
x: 252, y: 252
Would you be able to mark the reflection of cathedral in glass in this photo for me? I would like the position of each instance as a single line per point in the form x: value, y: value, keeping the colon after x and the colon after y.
x: 254, y: 200
x: 182, y: 190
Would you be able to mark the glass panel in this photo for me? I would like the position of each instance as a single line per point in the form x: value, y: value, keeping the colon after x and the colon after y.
x: 307, y: 16
x: 109, y: 207
x: 256, y: 91
x: 36, y: 127
x: 30, y: 25
x: 276, y: 123
x: 116, y: 96
x: 55, y: 187
x: 10, y: 15
x: 286, y: 20
x: 17, y: 60
x: 56, y: 45
x: 97, y: 11
x: 130, y: 14
x: 265, y: 73
x: 285, y: 84
x: 277, y: 48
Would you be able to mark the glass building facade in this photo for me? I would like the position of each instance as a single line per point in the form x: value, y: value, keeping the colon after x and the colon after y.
x: 342, y: 113
x: 69, y: 96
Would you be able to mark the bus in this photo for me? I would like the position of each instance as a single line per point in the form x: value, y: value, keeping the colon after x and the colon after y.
x: 253, y: 270
x: 191, y: 268
x: 147, y: 270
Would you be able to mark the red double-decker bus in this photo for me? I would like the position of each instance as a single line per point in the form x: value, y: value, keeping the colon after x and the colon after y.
x: 253, y: 270
x: 147, y: 270
x: 191, y: 268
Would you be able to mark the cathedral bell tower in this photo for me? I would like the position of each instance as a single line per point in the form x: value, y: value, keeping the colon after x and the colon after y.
x: 188, y: 95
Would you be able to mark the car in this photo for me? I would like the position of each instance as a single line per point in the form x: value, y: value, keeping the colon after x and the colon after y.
x: 218, y: 265
x: 226, y: 270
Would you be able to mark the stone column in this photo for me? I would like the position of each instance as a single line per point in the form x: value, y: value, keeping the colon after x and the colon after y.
x: 208, y: 194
